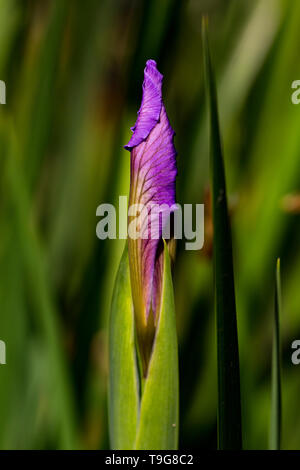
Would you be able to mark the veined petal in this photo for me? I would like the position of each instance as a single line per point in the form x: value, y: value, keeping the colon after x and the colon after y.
x: 152, y: 183
x: 149, y: 112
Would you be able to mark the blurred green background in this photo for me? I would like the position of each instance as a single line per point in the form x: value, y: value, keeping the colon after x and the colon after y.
x: 73, y: 74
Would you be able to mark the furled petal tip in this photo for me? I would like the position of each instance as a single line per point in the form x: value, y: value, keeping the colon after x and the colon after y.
x: 152, y: 182
x: 149, y: 112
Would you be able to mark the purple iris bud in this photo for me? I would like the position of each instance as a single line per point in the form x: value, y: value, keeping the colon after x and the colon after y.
x: 152, y: 184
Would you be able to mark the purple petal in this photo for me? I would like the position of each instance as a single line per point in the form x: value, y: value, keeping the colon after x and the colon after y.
x: 153, y: 178
x: 149, y: 112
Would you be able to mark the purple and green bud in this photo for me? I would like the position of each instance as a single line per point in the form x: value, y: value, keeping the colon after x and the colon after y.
x: 152, y: 182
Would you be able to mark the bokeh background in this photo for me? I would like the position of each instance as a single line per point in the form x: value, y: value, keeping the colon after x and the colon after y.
x: 73, y: 73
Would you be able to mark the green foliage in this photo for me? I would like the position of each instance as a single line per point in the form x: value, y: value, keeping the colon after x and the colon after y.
x: 229, y: 399
x: 151, y: 421
x: 158, y: 423
x: 123, y: 369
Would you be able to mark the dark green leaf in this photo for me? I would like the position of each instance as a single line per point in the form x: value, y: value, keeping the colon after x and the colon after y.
x: 229, y: 402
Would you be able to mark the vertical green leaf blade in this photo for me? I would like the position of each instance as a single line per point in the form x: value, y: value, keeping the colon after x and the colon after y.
x: 158, y: 426
x: 123, y: 374
x: 229, y: 402
x: 275, y: 437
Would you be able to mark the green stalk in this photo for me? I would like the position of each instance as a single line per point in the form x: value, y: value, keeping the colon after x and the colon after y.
x: 276, y: 417
x: 143, y: 411
x: 229, y: 401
